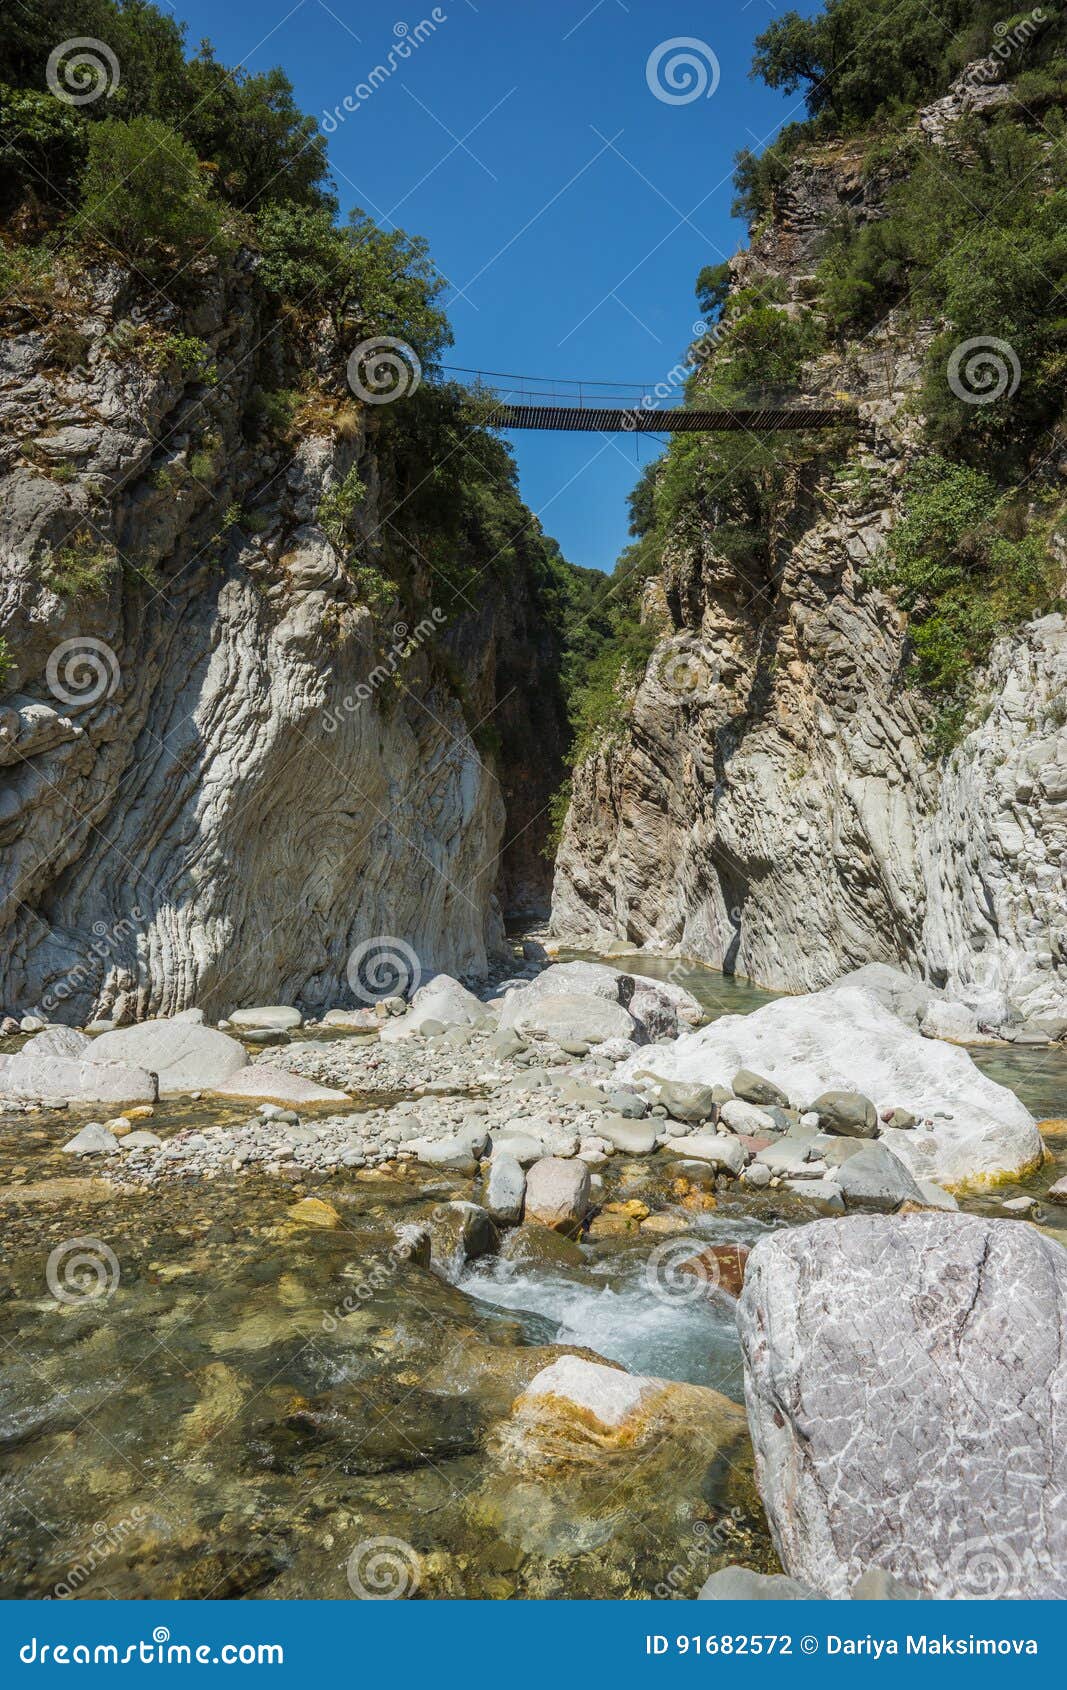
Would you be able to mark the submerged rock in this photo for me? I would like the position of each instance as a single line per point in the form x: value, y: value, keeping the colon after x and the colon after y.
x: 905, y: 1382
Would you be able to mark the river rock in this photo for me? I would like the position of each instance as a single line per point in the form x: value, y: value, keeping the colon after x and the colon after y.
x: 753, y: 1088
x: 691, y: 1104
x: 314, y: 1211
x: 136, y: 1140
x: 875, y: 1179
x: 576, y: 1412
x: 60, y: 1041
x: 628, y: 1103
x: 741, y: 1584
x: 843, y: 1039
x: 1058, y: 1193
x: 634, y: 1138
x: 525, y: 1147
x: 905, y: 1386
x: 77, y: 1079
x: 566, y: 1016
x: 505, y: 1189
x: 453, y: 1154
x: 277, y: 1085
x: 721, y: 1150
x: 460, y: 1232
x: 743, y: 1117
x: 93, y: 1140
x: 185, y: 1056
x: 271, y: 1018
x: 354, y: 1020
x: 443, y: 1001
x: 557, y: 1193
x: 846, y: 1112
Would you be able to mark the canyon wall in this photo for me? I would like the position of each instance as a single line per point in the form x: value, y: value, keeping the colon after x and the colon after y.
x: 772, y: 806
x: 221, y: 775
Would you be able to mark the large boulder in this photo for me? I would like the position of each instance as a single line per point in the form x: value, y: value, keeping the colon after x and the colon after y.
x: 843, y: 1039
x: 876, y: 1179
x: 50, y: 1078
x: 184, y: 1056
x: 566, y: 1018
x: 441, y: 999
x: 557, y: 1193
x: 577, y: 979
x: 906, y: 1386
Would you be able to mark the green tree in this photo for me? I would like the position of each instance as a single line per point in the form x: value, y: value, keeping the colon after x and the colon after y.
x: 143, y: 190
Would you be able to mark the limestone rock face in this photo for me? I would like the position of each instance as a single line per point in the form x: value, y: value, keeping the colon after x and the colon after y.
x: 767, y: 802
x: 212, y: 797
x: 905, y: 1383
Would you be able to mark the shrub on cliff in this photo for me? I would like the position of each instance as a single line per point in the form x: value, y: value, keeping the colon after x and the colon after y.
x: 143, y: 191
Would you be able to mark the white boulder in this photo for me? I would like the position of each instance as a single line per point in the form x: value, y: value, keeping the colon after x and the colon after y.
x: 184, y: 1056
x: 440, y: 999
x: 277, y: 1085
x: 566, y: 1017
x: 844, y: 1039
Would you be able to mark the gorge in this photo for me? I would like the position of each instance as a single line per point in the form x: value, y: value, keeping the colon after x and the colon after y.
x: 466, y: 1017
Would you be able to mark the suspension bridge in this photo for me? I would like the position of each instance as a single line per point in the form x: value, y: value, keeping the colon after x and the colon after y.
x: 510, y: 401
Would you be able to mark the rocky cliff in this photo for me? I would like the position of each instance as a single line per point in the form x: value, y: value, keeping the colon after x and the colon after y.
x: 773, y: 806
x: 224, y: 768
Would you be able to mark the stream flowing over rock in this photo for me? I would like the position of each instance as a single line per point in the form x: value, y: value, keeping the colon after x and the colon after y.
x: 906, y: 1384
x: 766, y: 802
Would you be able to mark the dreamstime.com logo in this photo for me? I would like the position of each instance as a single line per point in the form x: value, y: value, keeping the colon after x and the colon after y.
x: 82, y: 70
x: 682, y: 70
x: 383, y: 1569
x: 82, y: 1270
x: 383, y: 369
x: 983, y: 370
x: 383, y: 967
x: 407, y: 39
x: 81, y: 671
x: 155, y: 1651
x: 407, y: 642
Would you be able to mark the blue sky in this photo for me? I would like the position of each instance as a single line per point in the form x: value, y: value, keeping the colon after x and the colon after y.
x: 569, y: 207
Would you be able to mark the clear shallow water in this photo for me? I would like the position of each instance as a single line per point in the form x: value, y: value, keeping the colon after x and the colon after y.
x: 619, y: 1305
x: 225, y: 1424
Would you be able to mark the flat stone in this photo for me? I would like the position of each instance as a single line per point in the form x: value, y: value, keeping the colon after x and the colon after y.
x: 93, y: 1140
x: 721, y: 1150
x: 314, y: 1211
x: 634, y: 1138
x: 747, y: 1118
x: 275, y: 1018
x: 740, y: 1584
x: 276, y: 1085
x: 140, y: 1141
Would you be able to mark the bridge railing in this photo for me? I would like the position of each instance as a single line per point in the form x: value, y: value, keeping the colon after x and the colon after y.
x: 497, y: 388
